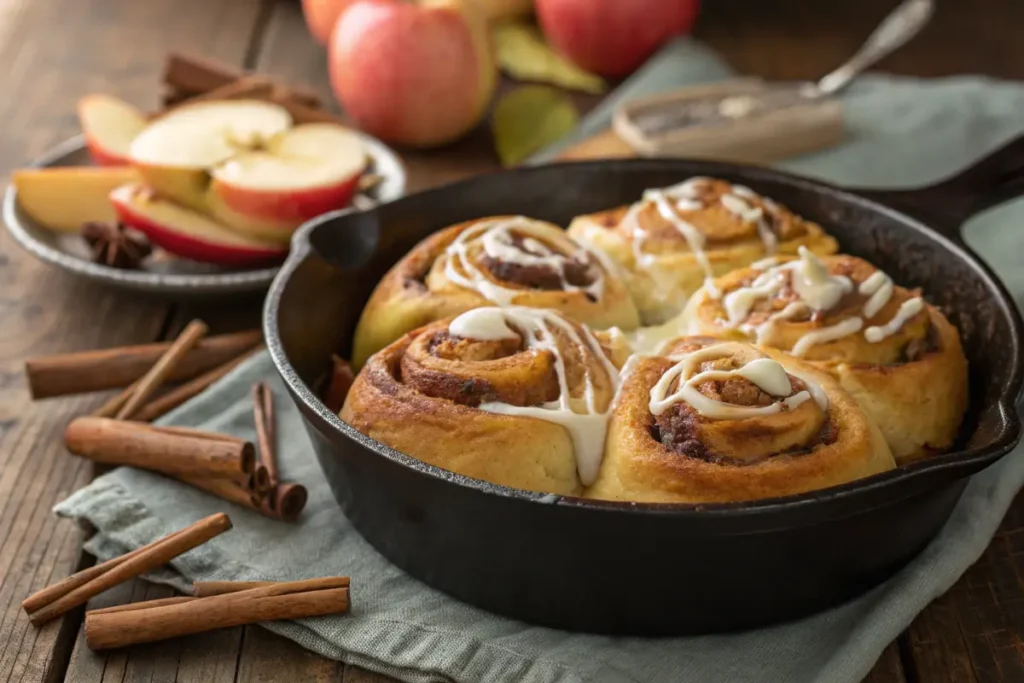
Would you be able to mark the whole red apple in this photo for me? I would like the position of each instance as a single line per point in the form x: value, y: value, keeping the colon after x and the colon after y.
x: 321, y: 16
x: 412, y: 74
x: 613, y: 37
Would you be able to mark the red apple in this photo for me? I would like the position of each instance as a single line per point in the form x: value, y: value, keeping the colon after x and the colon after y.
x: 190, y: 234
x: 613, y: 37
x: 109, y: 125
x: 413, y: 74
x: 243, y: 163
x: 321, y: 15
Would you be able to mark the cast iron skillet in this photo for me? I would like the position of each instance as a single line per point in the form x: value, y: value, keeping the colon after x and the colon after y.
x: 643, y: 568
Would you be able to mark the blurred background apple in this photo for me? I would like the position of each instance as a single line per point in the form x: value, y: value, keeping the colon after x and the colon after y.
x: 413, y: 74
x: 321, y: 15
x: 613, y: 37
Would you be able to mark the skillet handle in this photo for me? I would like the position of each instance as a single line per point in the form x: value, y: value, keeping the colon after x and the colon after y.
x: 996, y: 178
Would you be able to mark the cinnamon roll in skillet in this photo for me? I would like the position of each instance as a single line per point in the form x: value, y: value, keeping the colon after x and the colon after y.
x: 501, y: 260
x: 893, y: 351
x: 676, y: 238
x: 707, y: 420
x: 514, y: 396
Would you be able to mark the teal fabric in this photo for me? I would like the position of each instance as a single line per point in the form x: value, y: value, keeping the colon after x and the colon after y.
x: 902, y: 133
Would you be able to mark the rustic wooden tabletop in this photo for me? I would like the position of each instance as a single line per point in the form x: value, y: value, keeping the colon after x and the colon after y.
x: 54, y: 51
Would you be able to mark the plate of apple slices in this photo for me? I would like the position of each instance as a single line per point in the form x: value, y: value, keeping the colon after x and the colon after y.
x: 217, y: 187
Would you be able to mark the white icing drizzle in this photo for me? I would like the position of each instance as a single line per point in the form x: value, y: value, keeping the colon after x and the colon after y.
x: 907, y: 310
x: 841, y: 329
x: 497, y: 239
x: 763, y: 332
x: 767, y: 374
x: 817, y: 290
x: 537, y: 329
x: 685, y: 197
x: 483, y: 324
x: 879, y: 288
x: 738, y: 303
x: 813, y: 283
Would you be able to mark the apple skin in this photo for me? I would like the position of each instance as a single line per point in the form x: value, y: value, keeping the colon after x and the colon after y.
x: 275, y: 215
x: 613, y: 37
x: 100, y: 156
x: 204, y: 240
x: 109, y: 124
x: 420, y: 75
x: 321, y: 15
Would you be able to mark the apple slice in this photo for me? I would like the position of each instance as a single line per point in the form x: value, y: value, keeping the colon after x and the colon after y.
x: 244, y: 163
x: 109, y: 125
x: 61, y: 198
x: 189, y: 234
x: 176, y: 152
x: 304, y: 172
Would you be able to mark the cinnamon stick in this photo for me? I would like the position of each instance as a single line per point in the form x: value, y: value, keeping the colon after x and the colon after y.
x: 190, y: 76
x: 113, y: 405
x: 47, y: 595
x: 285, y: 502
x: 246, y: 87
x: 263, y: 416
x: 153, y: 556
x: 211, y: 588
x: 162, y: 405
x: 244, y: 494
x: 117, y: 442
x: 156, y: 376
x: 116, y: 368
x: 130, y: 627
x: 132, y: 606
x: 205, y: 589
x: 338, y: 384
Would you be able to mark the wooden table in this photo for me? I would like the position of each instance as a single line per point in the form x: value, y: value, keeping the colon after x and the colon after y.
x: 54, y: 51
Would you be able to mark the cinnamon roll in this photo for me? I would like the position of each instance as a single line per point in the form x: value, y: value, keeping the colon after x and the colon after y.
x: 708, y: 420
x: 515, y: 396
x: 895, y: 353
x: 677, y: 238
x: 502, y: 260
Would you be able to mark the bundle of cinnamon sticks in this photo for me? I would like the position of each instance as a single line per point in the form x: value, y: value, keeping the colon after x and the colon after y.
x: 116, y: 433
x: 190, y: 79
x: 214, y: 604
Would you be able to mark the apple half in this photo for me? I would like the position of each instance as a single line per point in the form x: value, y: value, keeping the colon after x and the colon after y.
x: 245, y: 163
x: 109, y: 125
x: 189, y: 234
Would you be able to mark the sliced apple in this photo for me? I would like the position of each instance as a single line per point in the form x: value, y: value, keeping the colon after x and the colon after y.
x: 304, y: 172
x: 244, y: 163
x: 109, y: 125
x: 187, y: 233
x: 62, y: 198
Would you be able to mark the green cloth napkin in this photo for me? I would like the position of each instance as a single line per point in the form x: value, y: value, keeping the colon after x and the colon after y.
x: 902, y: 132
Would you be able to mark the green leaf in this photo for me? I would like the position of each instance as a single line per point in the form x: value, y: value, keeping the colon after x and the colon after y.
x: 524, y: 55
x: 530, y: 118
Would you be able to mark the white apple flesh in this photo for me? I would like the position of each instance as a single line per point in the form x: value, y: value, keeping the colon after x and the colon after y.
x: 187, y: 233
x: 109, y: 125
x: 244, y: 163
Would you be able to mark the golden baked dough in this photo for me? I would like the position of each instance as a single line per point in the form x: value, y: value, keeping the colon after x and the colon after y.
x: 894, y: 352
x: 708, y: 421
x: 503, y: 260
x: 671, y: 240
x: 494, y: 406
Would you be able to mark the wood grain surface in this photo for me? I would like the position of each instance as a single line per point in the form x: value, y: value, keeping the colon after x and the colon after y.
x: 54, y: 51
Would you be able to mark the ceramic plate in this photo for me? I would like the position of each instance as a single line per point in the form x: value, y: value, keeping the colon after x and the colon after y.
x: 163, y: 275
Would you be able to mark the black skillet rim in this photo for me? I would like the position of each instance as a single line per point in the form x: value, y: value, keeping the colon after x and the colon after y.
x: 971, y: 460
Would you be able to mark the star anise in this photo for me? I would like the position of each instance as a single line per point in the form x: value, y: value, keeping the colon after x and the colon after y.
x: 114, y: 245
